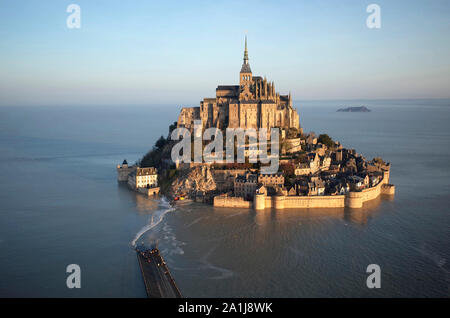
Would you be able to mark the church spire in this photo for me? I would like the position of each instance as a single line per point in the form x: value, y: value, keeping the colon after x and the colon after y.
x: 245, y: 52
x: 245, y: 66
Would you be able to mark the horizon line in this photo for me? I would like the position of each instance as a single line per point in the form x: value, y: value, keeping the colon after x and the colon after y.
x: 190, y: 103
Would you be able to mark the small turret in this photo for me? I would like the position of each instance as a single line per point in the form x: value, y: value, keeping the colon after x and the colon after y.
x: 124, y: 170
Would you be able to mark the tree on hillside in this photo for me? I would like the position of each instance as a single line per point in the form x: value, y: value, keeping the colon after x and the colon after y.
x: 326, y: 140
x: 288, y: 169
x: 161, y: 142
x: 172, y: 127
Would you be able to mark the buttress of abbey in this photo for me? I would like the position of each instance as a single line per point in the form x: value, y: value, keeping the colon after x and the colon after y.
x: 253, y: 103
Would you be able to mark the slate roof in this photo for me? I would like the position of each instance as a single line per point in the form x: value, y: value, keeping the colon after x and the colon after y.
x: 146, y: 171
x: 227, y: 87
x: 246, y: 68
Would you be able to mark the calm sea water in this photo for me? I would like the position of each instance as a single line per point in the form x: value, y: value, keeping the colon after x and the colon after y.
x: 60, y: 204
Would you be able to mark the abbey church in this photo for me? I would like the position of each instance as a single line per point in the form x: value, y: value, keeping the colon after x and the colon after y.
x: 254, y: 103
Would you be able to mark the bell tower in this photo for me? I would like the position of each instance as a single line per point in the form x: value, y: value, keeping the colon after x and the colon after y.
x: 245, y: 77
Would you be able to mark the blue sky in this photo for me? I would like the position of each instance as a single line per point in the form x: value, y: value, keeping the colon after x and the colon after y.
x: 153, y: 52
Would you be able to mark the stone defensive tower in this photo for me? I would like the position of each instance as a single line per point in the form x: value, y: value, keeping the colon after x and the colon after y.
x: 124, y: 170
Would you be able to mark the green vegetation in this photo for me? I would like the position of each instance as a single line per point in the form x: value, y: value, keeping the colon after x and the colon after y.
x: 300, y: 157
x: 154, y: 156
x: 151, y: 158
x: 172, y: 127
x: 326, y: 140
x: 288, y: 171
x: 166, y: 178
x: 161, y: 142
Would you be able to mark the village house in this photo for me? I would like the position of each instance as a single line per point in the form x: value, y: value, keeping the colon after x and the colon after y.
x: 311, y: 166
x: 356, y: 183
x: 320, y: 149
x: 314, y: 164
x: 311, y: 139
x: 316, y: 186
x: 292, y: 191
x: 276, y: 179
x: 338, y: 156
x: 143, y: 178
x: 375, y: 178
x: 341, y: 188
x: 365, y: 178
x: 325, y: 163
x: 245, y: 185
x: 260, y: 189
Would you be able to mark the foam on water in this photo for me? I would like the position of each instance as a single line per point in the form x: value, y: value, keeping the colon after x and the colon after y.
x: 156, y: 218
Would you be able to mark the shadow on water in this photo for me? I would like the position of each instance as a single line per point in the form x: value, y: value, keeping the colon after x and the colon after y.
x: 359, y: 216
x: 144, y: 205
x: 363, y: 215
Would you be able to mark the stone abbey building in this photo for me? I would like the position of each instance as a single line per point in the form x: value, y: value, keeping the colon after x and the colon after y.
x: 254, y: 103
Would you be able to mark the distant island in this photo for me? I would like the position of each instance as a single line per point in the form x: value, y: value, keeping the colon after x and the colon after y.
x: 360, y: 109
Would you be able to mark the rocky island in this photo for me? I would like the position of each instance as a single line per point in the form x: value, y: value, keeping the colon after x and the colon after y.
x: 311, y: 171
x: 356, y: 109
